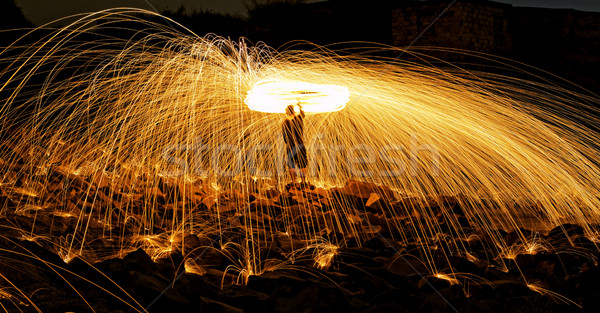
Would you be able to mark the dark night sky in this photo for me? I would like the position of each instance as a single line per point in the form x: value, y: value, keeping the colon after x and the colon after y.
x: 41, y: 11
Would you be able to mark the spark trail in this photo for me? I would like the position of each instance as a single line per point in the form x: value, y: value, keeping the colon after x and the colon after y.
x: 132, y: 124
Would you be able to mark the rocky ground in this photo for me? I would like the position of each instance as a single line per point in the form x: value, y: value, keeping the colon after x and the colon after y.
x: 45, y: 266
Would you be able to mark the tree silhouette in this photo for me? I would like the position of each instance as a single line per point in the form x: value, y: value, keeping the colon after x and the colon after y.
x: 203, y: 22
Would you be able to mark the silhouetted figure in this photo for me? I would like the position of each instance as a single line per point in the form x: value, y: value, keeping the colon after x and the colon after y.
x: 293, y: 135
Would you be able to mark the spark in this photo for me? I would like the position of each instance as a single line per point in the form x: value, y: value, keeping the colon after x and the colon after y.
x: 450, y: 279
x: 546, y: 292
x: 193, y: 268
x: 143, y: 113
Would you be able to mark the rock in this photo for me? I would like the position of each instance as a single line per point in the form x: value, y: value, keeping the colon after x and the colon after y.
x: 207, y: 256
x: 373, y: 197
x: 271, y: 193
x: 224, y: 278
x: 508, y: 288
x: 191, y: 242
x: 340, y: 200
x: 565, y: 230
x: 587, y: 289
x: 449, y: 299
x: 172, y: 265
x: 584, y: 242
x: 271, y: 252
x: 140, y: 261
x: 376, y: 243
x: 525, y: 262
x: 265, y: 204
x: 192, y: 286
x: 151, y: 288
x: 114, y: 268
x: 406, y: 266
x: 245, y: 298
x: 366, y: 256
x: 290, y: 294
x: 212, y: 306
x: 287, y: 199
x: 463, y: 265
x: 288, y: 243
x: 518, y: 236
x: 364, y: 190
x: 376, y: 204
x: 432, y: 283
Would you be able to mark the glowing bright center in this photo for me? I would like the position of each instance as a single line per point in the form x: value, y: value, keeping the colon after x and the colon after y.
x: 274, y: 97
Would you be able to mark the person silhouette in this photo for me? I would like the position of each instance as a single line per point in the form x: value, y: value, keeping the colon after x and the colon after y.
x: 293, y: 135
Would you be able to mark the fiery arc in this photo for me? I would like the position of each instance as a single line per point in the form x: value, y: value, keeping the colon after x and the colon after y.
x: 275, y: 96
x: 505, y: 148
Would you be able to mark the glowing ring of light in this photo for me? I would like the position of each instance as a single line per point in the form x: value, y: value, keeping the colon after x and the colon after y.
x: 274, y: 97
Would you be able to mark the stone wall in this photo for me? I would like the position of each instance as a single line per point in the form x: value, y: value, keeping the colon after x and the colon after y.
x: 562, y: 41
x: 468, y: 25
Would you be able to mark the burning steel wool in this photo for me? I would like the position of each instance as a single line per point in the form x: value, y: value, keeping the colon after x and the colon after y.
x: 274, y: 97
x: 166, y: 138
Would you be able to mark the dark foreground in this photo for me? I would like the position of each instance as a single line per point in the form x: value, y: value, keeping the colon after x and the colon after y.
x: 382, y: 275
